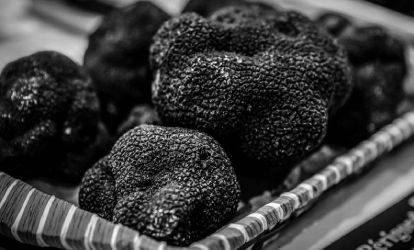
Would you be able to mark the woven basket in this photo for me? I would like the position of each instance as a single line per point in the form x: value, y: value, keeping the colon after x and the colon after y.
x: 30, y: 216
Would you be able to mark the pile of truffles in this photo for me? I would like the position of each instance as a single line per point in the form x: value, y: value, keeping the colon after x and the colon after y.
x: 196, y: 108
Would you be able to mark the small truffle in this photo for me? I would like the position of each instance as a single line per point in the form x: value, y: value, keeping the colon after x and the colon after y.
x: 206, y: 8
x: 48, y: 119
x: 117, y: 59
x: 139, y: 115
x: 173, y: 184
x: 262, y: 82
x: 378, y: 68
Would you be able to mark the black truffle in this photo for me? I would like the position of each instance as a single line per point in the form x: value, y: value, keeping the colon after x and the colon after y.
x: 173, y: 184
x: 378, y: 69
x: 139, y: 115
x: 206, y: 8
x: 48, y: 118
x: 117, y: 59
x: 262, y: 82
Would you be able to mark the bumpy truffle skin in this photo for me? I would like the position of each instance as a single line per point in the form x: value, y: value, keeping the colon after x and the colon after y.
x: 117, y: 59
x: 378, y: 69
x: 261, y: 82
x: 48, y: 118
x: 173, y: 184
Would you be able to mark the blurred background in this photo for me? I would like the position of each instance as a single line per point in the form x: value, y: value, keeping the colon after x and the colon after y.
x: 27, y: 26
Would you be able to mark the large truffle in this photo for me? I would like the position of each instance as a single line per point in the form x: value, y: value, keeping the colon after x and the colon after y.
x: 173, y: 184
x: 262, y: 82
x: 48, y: 118
x: 378, y: 69
x: 117, y: 59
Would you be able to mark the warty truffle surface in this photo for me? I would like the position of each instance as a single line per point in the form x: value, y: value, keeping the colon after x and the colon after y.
x: 173, y: 184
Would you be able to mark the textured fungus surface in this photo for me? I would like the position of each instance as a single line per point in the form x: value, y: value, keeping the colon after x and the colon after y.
x: 378, y: 68
x: 173, y: 184
x: 117, y: 59
x: 48, y: 118
x: 262, y: 82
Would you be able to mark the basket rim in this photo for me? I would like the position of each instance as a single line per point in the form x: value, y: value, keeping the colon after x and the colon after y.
x: 36, y: 218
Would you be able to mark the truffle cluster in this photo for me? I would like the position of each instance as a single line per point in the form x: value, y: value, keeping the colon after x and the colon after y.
x: 378, y: 67
x: 173, y: 184
x: 262, y: 82
x: 48, y: 118
x: 117, y: 59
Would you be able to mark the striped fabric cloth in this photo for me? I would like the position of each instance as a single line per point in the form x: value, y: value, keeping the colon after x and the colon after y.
x: 30, y: 216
